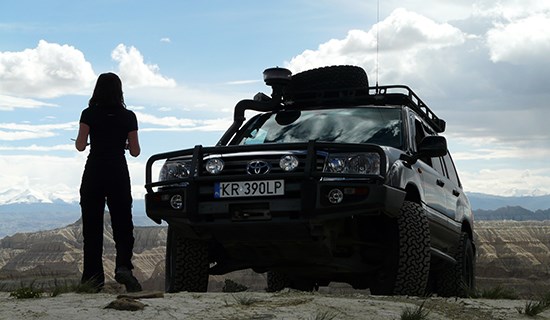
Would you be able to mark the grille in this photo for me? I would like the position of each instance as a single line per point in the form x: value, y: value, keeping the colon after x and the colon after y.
x: 237, y: 164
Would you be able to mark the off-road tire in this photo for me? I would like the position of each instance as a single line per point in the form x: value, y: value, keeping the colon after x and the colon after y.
x: 325, y: 79
x: 407, y: 273
x: 277, y: 281
x: 459, y: 280
x: 186, y: 263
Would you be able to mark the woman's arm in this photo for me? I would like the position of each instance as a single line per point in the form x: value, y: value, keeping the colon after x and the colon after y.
x: 82, y: 138
x: 133, y: 143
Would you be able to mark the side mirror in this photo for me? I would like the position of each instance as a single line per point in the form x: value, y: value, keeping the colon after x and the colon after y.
x: 429, y: 147
x: 432, y: 146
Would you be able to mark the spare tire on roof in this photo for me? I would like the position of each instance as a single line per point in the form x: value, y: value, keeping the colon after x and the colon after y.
x: 329, y: 78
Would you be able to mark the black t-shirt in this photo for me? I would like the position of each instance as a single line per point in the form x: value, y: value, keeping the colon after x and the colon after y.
x: 109, y: 129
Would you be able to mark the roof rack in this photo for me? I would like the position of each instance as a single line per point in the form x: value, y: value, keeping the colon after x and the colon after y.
x: 384, y: 93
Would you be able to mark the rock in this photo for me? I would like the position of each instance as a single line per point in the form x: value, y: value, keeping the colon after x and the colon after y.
x: 126, y: 304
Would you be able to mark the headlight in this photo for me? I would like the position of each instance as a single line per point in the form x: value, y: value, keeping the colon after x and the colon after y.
x: 175, y: 170
x: 353, y: 163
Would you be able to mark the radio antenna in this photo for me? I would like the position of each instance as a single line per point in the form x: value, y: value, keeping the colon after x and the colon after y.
x: 377, y: 39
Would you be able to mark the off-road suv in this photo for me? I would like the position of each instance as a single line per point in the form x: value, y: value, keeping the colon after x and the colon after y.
x: 330, y: 180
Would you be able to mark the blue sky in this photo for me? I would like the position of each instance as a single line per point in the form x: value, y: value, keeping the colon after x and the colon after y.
x: 481, y: 65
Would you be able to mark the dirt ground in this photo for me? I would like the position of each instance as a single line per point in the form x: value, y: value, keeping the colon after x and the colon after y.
x: 259, y: 306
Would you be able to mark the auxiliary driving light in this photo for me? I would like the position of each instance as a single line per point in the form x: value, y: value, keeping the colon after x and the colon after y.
x: 335, y: 196
x: 214, y: 166
x: 176, y: 202
x: 288, y: 163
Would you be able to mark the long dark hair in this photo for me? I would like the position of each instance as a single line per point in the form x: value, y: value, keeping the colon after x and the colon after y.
x: 107, y: 92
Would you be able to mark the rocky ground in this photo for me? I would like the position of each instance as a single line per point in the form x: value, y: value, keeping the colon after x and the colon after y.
x: 259, y: 306
x: 513, y: 255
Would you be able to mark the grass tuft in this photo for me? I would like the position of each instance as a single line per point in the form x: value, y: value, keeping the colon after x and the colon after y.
x: 324, y: 315
x: 418, y: 313
x: 245, y: 300
x: 498, y: 293
x: 27, y: 293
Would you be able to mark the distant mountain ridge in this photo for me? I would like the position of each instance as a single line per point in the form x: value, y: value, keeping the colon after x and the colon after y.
x: 515, y: 213
x: 492, y: 202
x: 30, y: 211
x: 37, y: 216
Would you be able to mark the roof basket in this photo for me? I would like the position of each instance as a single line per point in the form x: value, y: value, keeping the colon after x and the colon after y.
x: 413, y: 101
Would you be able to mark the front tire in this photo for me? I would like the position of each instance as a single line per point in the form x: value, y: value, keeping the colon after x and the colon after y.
x: 186, y: 263
x: 408, y: 266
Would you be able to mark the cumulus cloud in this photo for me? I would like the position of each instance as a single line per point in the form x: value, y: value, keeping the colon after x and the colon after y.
x: 404, y: 37
x: 47, y: 71
x: 521, y: 41
x: 134, y: 72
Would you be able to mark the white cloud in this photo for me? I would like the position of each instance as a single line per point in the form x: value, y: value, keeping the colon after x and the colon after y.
x: 507, y: 182
x: 47, y: 71
x: 165, y: 40
x: 34, y: 147
x: 17, y: 131
x: 178, y: 124
x: 240, y: 82
x: 39, y: 172
x: 57, y: 177
x: 8, y: 103
x: 134, y: 72
x: 521, y: 41
x: 406, y: 40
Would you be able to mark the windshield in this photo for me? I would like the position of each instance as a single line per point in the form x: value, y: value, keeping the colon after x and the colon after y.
x: 375, y: 125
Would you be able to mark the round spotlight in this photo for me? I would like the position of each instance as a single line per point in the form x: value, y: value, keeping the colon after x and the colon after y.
x: 335, y: 196
x: 176, y: 202
x: 288, y: 163
x: 214, y: 166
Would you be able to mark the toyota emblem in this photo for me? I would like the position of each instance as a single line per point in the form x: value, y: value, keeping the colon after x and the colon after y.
x: 258, y: 167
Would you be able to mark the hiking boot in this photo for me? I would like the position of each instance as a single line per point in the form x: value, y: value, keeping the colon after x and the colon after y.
x: 91, y: 285
x: 124, y: 276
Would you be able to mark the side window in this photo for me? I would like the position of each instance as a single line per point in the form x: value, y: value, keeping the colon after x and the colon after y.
x: 453, y: 176
x: 419, y: 133
x: 438, y: 166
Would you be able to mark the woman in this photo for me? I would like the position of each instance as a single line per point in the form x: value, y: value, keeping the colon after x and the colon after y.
x: 112, y: 129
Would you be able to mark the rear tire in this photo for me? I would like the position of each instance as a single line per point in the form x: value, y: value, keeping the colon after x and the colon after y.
x: 408, y: 266
x: 276, y: 281
x: 186, y: 263
x: 459, y: 279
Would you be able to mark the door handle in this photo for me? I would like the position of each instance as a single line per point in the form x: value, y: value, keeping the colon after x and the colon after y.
x: 440, y: 183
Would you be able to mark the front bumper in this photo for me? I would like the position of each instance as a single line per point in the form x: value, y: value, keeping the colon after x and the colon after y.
x: 307, y: 192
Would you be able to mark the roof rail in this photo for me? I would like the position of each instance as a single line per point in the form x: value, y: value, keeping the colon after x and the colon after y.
x: 382, y: 92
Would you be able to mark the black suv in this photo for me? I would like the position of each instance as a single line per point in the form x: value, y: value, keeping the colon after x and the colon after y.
x: 330, y: 180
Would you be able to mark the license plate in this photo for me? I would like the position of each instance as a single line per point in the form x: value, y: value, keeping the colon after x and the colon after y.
x: 249, y: 188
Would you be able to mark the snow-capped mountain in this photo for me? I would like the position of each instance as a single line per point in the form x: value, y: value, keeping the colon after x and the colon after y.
x: 20, y: 196
x: 31, y: 210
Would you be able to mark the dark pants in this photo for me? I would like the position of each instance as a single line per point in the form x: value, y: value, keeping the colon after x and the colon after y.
x: 106, y: 181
